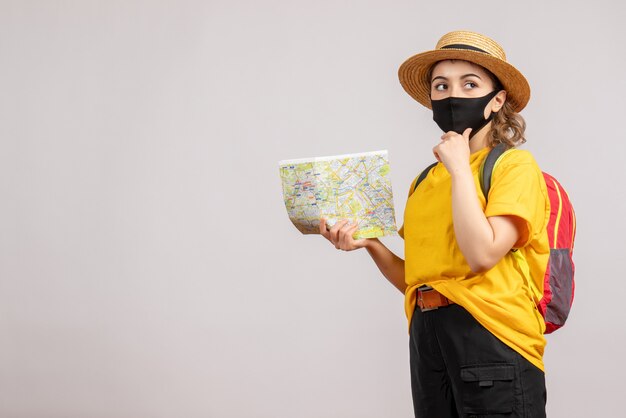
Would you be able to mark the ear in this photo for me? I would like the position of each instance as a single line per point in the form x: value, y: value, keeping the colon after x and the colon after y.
x: 498, y: 101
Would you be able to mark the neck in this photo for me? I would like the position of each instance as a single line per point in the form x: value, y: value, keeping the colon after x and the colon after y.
x: 479, y: 141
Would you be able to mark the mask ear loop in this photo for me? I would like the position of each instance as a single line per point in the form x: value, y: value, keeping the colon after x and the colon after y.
x: 493, y: 94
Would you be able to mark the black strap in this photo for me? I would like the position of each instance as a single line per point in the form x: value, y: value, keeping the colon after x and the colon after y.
x: 423, y: 175
x: 486, y: 171
x: 463, y: 46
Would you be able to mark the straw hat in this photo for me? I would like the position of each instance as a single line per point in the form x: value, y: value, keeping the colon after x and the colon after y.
x: 468, y: 46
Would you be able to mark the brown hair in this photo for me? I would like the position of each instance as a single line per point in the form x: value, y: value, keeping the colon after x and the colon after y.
x: 507, y: 126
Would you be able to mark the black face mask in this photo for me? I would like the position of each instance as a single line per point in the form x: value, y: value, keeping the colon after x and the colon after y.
x: 459, y: 113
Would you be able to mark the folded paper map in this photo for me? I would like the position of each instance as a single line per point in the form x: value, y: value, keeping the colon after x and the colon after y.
x: 355, y: 187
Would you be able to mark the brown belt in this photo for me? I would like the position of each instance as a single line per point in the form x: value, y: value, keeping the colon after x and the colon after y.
x: 429, y: 299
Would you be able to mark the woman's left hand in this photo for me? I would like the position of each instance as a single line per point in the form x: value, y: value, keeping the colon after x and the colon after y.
x: 453, y: 150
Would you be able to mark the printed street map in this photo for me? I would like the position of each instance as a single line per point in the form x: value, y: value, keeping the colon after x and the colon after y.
x: 353, y: 187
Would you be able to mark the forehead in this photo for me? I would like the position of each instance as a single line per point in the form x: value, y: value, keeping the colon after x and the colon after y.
x: 451, y: 68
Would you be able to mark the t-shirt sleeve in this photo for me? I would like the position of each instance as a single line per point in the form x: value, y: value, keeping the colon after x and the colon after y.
x: 518, y: 189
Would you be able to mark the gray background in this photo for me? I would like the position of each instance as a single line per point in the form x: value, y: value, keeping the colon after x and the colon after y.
x: 147, y: 264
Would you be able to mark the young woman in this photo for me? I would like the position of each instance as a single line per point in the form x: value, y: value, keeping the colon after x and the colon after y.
x: 476, y: 337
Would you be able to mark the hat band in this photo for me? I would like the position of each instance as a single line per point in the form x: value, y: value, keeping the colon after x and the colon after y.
x: 462, y: 46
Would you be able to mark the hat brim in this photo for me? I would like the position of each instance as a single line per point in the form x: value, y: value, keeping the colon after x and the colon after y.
x: 413, y: 74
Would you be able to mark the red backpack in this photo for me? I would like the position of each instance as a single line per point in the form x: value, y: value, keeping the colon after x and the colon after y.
x: 555, y: 302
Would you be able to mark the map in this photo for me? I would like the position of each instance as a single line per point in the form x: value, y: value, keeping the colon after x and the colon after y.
x: 355, y: 187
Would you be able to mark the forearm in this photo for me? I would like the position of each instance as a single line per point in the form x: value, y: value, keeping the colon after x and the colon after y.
x: 474, y: 233
x: 389, y: 264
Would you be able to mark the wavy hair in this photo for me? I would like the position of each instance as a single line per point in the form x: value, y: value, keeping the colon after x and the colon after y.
x: 507, y: 126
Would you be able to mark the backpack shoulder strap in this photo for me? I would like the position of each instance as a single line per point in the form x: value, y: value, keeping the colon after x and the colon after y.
x: 486, y: 169
x: 423, y: 175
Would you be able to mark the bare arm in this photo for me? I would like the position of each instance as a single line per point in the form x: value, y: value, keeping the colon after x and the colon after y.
x: 389, y: 264
x: 483, y: 241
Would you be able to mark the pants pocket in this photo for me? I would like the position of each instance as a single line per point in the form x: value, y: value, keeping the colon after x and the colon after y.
x: 488, y: 388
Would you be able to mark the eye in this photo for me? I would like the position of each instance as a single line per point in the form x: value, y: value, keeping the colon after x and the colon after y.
x: 440, y: 87
x: 471, y: 85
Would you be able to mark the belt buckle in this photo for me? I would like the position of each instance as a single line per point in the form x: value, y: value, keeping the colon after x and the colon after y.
x: 420, y: 300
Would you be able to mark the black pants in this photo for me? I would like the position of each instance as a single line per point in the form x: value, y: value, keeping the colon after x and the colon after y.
x: 459, y: 369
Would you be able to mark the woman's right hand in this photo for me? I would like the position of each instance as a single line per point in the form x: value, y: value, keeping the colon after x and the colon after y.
x: 341, y: 235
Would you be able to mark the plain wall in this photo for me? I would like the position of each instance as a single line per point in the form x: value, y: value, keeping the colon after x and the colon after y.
x: 147, y: 264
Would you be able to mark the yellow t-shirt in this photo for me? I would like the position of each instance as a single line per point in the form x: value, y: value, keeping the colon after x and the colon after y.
x: 501, y: 298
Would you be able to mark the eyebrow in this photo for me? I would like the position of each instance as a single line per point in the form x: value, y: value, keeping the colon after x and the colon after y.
x: 462, y: 77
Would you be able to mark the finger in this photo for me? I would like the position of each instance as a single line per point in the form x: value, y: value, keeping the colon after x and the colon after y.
x: 354, y: 230
x: 342, y: 231
x: 323, y: 230
x: 348, y: 225
x: 436, y: 154
x: 334, y: 232
x: 337, y: 226
x: 347, y: 236
x: 448, y: 135
x: 466, y: 133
